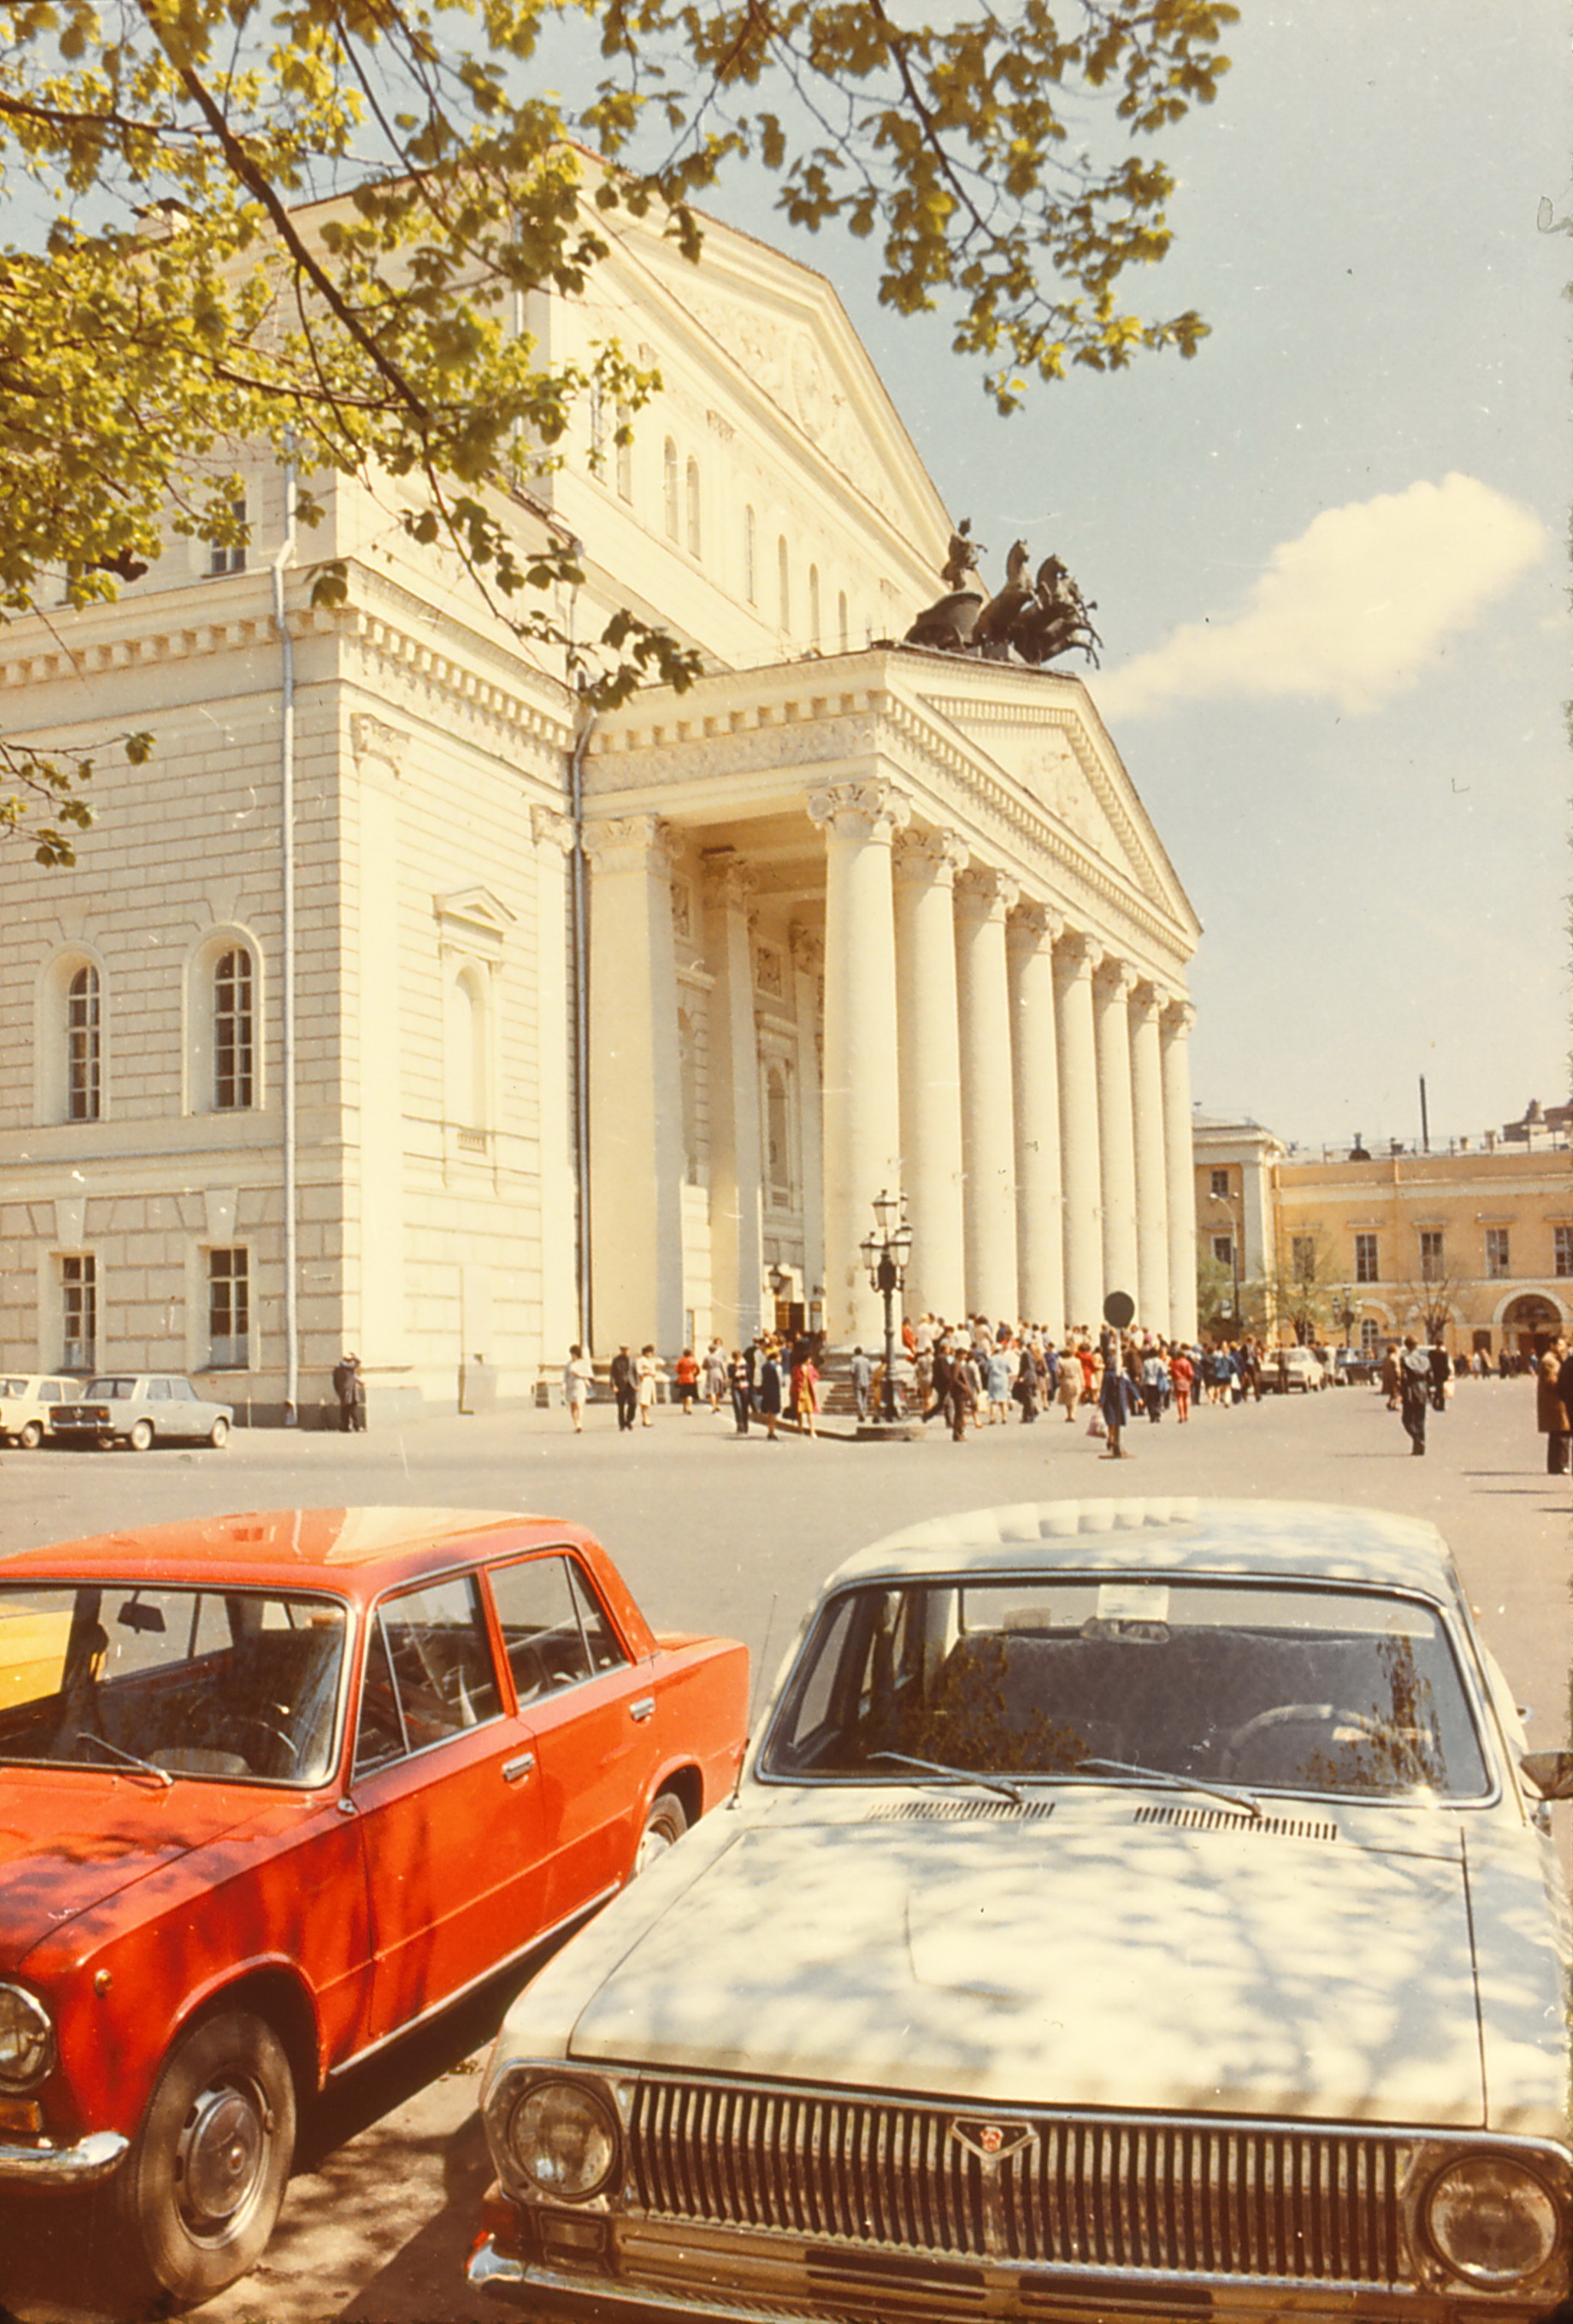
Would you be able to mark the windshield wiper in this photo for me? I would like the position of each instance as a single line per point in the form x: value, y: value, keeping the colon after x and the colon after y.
x: 1230, y: 1791
x: 102, y: 1743
x: 1012, y: 1792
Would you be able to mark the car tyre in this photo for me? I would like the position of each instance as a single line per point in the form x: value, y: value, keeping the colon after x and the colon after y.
x: 30, y: 1436
x: 198, y: 2196
x: 218, y: 1434
x: 664, y: 1826
x: 139, y: 1437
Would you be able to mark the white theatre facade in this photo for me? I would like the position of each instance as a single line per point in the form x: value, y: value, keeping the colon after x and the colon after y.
x: 399, y: 1006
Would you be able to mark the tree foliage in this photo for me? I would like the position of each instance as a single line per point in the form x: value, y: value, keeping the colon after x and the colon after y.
x: 178, y: 295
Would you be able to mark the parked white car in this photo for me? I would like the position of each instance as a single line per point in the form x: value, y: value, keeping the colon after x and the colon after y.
x: 1293, y: 1369
x: 139, y: 1409
x: 27, y: 1402
x: 1134, y: 1908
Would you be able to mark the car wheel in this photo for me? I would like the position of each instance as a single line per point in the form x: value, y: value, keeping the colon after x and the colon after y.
x: 218, y: 1434
x: 664, y: 1826
x: 199, y: 2192
x: 140, y: 1436
x: 30, y: 1436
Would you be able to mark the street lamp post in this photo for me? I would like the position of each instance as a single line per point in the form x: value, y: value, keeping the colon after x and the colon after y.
x: 886, y: 1250
x: 1236, y: 1232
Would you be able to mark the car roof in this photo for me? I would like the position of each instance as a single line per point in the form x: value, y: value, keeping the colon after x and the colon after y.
x: 1279, y: 1540
x: 355, y: 1553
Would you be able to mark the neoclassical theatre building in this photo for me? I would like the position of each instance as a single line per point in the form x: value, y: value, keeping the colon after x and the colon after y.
x: 399, y: 1006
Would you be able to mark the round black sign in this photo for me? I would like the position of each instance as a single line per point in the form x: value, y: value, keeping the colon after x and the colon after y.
x: 1119, y: 1309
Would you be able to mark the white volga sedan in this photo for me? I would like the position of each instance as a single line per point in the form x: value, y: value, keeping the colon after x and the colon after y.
x: 1128, y: 1909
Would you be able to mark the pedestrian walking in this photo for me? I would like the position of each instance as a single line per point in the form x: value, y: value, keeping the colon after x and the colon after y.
x: 344, y: 1378
x: 999, y: 1386
x: 806, y: 1390
x: 576, y: 1375
x: 770, y: 1392
x: 1414, y: 1392
x: 687, y: 1372
x: 741, y: 1390
x: 716, y: 1375
x: 1181, y: 1371
x: 1552, y: 1415
x: 646, y: 1372
x: 1154, y: 1384
x: 625, y: 1388
x: 1119, y: 1399
x: 862, y: 1380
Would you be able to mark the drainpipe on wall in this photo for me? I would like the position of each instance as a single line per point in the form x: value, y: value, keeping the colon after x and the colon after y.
x: 579, y: 927
x: 286, y: 550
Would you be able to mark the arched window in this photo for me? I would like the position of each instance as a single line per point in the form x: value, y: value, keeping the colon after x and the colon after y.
x: 784, y: 577
x: 692, y: 486
x: 83, y: 1061
x: 813, y: 605
x: 670, y: 488
x: 234, y: 1039
x: 625, y: 456
x: 843, y: 622
x: 750, y: 558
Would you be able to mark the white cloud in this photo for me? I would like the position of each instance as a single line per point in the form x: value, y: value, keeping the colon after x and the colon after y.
x: 1357, y: 608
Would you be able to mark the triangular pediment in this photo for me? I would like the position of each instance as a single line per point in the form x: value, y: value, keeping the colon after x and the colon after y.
x: 777, y: 331
x: 1045, y: 737
x: 475, y: 913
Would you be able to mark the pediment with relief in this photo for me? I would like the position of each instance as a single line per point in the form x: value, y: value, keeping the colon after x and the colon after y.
x: 1078, y: 784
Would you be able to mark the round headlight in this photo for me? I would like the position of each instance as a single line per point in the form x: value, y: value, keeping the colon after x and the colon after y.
x: 27, y: 2039
x: 1493, y: 2220
x: 564, y: 2140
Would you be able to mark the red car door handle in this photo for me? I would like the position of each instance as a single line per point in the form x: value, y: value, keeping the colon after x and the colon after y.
x: 643, y: 1709
x: 513, y: 1769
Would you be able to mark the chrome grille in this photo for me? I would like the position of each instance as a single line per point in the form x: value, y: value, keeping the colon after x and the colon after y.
x: 1118, y: 2191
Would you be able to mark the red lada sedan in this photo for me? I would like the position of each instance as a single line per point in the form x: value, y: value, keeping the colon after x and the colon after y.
x: 275, y: 1789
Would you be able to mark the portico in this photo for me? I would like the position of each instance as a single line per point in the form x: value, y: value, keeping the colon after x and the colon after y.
x: 925, y: 937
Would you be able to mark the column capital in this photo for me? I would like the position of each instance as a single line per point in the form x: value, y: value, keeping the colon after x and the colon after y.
x: 727, y: 882
x: 1177, y: 1020
x: 922, y: 856
x: 1078, y: 955
x: 1033, y: 924
x: 986, y: 893
x: 872, y: 810
x: 807, y: 950
x: 1116, y: 978
x: 550, y: 829
x: 1147, y: 999
x: 633, y: 842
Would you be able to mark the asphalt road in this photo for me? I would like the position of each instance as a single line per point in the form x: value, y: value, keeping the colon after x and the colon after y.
x: 714, y: 1533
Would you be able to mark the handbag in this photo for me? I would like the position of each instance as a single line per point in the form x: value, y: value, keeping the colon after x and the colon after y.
x: 1095, y: 1426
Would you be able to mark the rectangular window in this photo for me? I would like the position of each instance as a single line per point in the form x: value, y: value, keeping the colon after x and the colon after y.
x: 232, y: 1029
x: 228, y: 1310
x: 1430, y: 1254
x: 78, y: 1312
x: 1220, y: 1183
x: 1366, y: 1269
x: 1302, y: 1258
x: 1370, y: 1336
x: 229, y: 556
x: 1562, y: 1251
x: 1224, y: 1250
x: 1496, y: 1252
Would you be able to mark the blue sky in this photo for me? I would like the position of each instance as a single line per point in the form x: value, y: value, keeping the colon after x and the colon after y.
x: 1328, y: 555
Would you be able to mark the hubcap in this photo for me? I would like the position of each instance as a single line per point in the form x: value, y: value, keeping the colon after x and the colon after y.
x: 220, y: 2156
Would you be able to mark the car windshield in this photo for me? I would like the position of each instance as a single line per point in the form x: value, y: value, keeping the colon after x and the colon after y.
x: 223, y: 1684
x: 110, y: 1391
x: 1294, y: 1688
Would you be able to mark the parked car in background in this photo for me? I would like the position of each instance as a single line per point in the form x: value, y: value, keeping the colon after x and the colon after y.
x: 28, y: 1401
x: 1352, y: 1367
x: 1294, y: 1370
x: 139, y: 1408
x: 278, y: 1788
x: 1129, y: 1909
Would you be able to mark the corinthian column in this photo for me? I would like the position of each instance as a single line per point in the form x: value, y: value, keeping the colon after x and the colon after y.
x: 1153, y: 1304
x: 636, y: 1149
x: 925, y: 866
x: 988, y: 1135
x: 1175, y: 1046
x: 1075, y: 961
x: 862, y: 1087
x: 1111, y: 991
x: 561, y: 1322
x: 807, y: 966
x: 1035, y: 1061
x: 736, y: 1223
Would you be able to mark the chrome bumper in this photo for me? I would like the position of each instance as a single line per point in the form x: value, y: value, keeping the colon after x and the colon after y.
x: 83, y: 2165
x: 551, y: 2292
